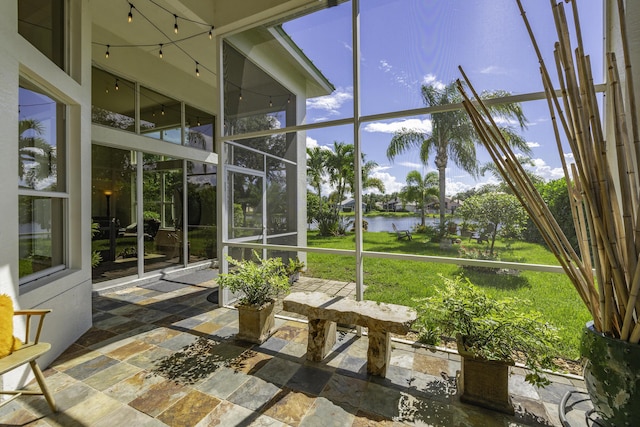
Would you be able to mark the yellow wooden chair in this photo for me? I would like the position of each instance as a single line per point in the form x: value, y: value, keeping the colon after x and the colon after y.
x: 28, y: 353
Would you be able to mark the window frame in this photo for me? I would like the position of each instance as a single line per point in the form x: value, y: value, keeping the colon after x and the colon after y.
x: 62, y: 196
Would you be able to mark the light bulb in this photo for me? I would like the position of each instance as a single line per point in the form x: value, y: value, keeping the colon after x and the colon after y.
x: 130, y: 16
x: 175, y: 25
x: 160, y: 52
x: 106, y: 54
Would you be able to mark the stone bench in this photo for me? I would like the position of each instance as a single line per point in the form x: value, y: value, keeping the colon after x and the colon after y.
x: 324, y: 311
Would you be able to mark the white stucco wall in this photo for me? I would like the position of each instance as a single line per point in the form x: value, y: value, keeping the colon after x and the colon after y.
x: 613, y: 43
x: 68, y: 293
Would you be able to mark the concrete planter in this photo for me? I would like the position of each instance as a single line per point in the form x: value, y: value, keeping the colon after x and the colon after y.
x: 484, y: 383
x: 256, y: 322
x: 612, y: 377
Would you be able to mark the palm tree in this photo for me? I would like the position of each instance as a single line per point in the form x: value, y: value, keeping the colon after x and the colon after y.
x: 452, y: 135
x: 37, y: 160
x: 340, y: 168
x: 340, y: 164
x: 490, y: 167
x: 421, y: 189
x: 316, y: 168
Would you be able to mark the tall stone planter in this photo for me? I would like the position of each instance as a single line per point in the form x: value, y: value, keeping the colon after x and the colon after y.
x: 612, y: 377
x: 484, y: 382
x: 256, y: 322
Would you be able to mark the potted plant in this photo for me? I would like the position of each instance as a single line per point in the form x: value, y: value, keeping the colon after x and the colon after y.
x: 294, y: 268
x: 602, y: 186
x: 490, y: 335
x: 260, y: 281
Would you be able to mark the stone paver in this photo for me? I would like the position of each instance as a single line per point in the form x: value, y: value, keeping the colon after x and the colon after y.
x: 111, y: 375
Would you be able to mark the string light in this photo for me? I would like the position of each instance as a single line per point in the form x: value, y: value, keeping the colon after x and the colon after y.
x: 106, y: 54
x: 211, y: 33
x: 117, y: 87
x: 162, y: 109
x: 175, y: 25
x: 270, y: 102
x: 240, y: 98
x: 160, y: 53
x: 289, y: 100
x: 197, y: 70
x: 197, y: 121
x: 130, y: 16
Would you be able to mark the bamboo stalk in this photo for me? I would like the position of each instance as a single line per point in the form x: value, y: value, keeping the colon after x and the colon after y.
x: 625, y: 174
x: 530, y: 198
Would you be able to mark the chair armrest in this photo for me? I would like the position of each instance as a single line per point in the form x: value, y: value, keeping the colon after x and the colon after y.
x: 33, y: 312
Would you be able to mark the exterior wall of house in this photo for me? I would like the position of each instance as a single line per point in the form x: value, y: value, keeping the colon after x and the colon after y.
x: 67, y: 292
x: 613, y: 43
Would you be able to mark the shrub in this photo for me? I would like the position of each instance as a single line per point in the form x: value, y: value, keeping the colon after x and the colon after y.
x: 490, y: 329
x: 260, y: 281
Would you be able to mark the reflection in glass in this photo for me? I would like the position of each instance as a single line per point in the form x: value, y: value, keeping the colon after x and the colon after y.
x: 112, y: 100
x: 281, y: 199
x: 113, y: 213
x: 160, y: 116
x: 201, y: 208
x: 41, y: 141
x: 42, y: 24
x: 40, y: 234
x: 163, y: 202
x: 244, y: 201
x: 199, y: 129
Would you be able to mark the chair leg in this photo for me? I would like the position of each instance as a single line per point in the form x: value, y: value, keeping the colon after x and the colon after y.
x: 43, y: 385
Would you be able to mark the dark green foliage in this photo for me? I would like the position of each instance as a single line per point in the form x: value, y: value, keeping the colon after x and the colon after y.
x: 556, y: 196
x: 489, y: 328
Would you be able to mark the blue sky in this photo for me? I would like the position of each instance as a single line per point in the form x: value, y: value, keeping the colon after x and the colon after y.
x: 406, y: 43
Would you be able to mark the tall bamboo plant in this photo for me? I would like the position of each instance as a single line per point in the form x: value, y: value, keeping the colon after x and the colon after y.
x: 608, y: 230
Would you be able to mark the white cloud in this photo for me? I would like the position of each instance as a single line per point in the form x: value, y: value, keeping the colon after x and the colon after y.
x: 413, y: 124
x: 455, y: 187
x: 541, y: 168
x: 390, y: 182
x: 506, y: 122
x: 312, y: 143
x: 430, y: 79
x: 532, y: 144
x: 385, y: 66
x: 411, y: 165
x: 331, y: 103
x: 569, y: 157
x: 347, y: 46
x: 493, y: 69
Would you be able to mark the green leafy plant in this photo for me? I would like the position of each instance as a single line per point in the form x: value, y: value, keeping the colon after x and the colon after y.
x: 294, y: 266
x: 96, y: 258
x: 489, y: 329
x: 260, y: 281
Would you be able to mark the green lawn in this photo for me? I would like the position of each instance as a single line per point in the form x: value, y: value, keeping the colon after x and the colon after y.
x: 401, y: 281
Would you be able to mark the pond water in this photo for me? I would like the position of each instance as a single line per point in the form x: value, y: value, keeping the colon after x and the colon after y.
x: 383, y: 223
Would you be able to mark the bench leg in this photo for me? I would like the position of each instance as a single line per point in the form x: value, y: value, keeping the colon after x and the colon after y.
x: 378, y: 353
x: 322, y: 337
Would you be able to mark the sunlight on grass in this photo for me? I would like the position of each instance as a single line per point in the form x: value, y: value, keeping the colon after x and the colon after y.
x: 401, y: 281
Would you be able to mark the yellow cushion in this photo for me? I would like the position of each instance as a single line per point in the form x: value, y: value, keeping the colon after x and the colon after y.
x: 8, y: 343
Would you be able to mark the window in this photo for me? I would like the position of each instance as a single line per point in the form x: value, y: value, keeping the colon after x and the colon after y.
x: 42, y: 184
x: 42, y: 24
x: 113, y: 101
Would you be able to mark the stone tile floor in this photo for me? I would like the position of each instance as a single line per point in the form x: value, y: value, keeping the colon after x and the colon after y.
x: 162, y: 354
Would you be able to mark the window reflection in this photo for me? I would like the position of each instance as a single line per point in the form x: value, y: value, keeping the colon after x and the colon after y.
x: 42, y: 24
x: 199, y: 129
x: 160, y: 116
x: 112, y: 101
